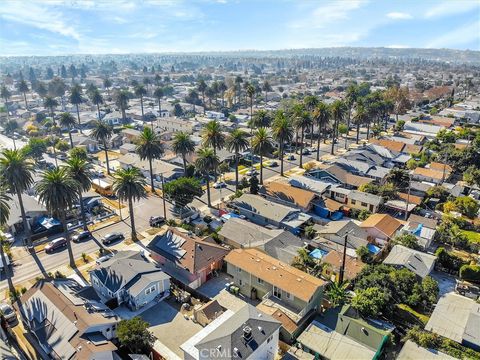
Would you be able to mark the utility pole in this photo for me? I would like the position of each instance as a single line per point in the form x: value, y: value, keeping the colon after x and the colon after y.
x: 408, y: 198
x: 163, y: 197
x: 342, y: 269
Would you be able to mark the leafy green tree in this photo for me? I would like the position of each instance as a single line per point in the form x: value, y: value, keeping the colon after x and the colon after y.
x: 67, y: 121
x: 61, y: 145
x: 237, y: 142
x: 129, y: 185
x: 150, y: 147
x: 363, y: 253
x: 398, y: 177
x: 183, y: 191
x: 282, y: 132
x: 35, y: 148
x: 134, y: 335
x: 337, y: 293
x: 254, y: 185
x: 79, y: 152
x: 304, y: 262
x: 467, y: 206
x: 266, y: 87
x: 370, y: 302
x: 262, y: 145
x: 10, y: 127
x: 102, y: 132
x: 206, y: 163
x: 17, y: 174
x: 182, y: 146
x: 177, y: 110
x: 470, y: 273
x: 81, y: 171
x: 408, y: 240
x: 310, y: 232
x: 59, y: 192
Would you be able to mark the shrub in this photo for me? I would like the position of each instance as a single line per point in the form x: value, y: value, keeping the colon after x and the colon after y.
x: 470, y: 273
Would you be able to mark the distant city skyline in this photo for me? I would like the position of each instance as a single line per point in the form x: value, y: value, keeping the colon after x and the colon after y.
x: 56, y: 27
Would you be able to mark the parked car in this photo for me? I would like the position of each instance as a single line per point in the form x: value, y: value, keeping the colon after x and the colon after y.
x: 112, y: 237
x: 156, y: 221
x: 56, y: 244
x: 8, y: 313
x: 7, y: 237
x: 251, y: 172
x: 103, y: 258
x: 291, y: 157
x: 81, y: 236
x: 219, y: 185
x: 273, y: 164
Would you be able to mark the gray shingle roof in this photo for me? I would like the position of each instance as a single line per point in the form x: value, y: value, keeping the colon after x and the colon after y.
x: 265, y: 208
x: 365, y: 197
x: 418, y: 262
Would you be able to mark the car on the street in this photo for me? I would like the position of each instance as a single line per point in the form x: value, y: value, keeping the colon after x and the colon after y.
x: 305, y: 151
x: 219, y: 185
x: 112, y: 237
x: 8, y: 313
x: 251, y: 172
x: 56, y: 244
x: 156, y: 221
x: 81, y: 236
x: 291, y: 157
x: 273, y: 164
x: 103, y: 258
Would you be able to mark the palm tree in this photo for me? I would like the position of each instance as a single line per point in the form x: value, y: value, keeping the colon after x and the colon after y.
x: 17, y: 173
x: 140, y: 91
x: 10, y: 127
x: 222, y: 87
x: 41, y: 89
x: 321, y: 116
x: 350, y: 100
x: 213, y: 137
x: 337, y: 293
x: 398, y: 177
x: 261, y: 118
x: 202, y: 87
x: 107, y: 84
x: 361, y: 117
x: 102, y: 132
x: 236, y: 142
x: 303, y: 121
x: 238, y: 87
x: 97, y: 99
x: 266, y: 87
x: 149, y: 147
x: 121, y: 100
x: 282, y: 131
x: 183, y: 145
x: 81, y: 171
x: 68, y: 121
x: 50, y: 103
x: 129, y: 185
x: 5, y: 94
x: 210, y: 93
x: 251, y: 94
x: 262, y: 145
x: 76, y: 99
x: 310, y: 102
x: 4, y: 215
x: 22, y: 86
x: 59, y: 192
x: 207, y: 162
x: 159, y: 93
x: 338, y: 112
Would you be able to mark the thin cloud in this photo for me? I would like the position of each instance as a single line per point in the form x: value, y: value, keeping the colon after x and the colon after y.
x: 450, y: 7
x: 465, y: 34
x: 399, y: 16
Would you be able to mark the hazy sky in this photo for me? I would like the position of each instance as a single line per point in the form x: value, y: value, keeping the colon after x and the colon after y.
x: 51, y: 27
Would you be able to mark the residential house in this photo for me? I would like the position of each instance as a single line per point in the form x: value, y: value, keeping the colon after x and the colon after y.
x: 114, y: 119
x: 127, y: 278
x: 412, y: 351
x: 334, y: 261
x: 174, y: 124
x: 284, y: 246
x: 423, y: 228
x: 456, y: 317
x: 403, y: 257
x: 344, y: 334
x: 265, y: 212
x: 381, y: 227
x: 240, y: 233
x: 361, y: 168
x: 63, y: 326
x: 288, y: 195
x: 33, y: 211
x: 337, y: 175
x: 280, y: 285
x: 309, y: 183
x: 245, y: 334
x: 86, y: 142
x: 364, y: 201
x: 130, y: 135
x: 429, y: 175
x: 208, y: 312
x: 186, y: 257
x: 159, y: 167
x: 417, y: 128
x: 336, y: 231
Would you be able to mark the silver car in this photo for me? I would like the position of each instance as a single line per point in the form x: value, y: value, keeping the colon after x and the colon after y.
x: 8, y: 313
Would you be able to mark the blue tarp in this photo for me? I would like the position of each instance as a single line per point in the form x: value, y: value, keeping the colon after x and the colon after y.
x: 373, y: 249
x: 229, y: 216
x: 418, y: 230
x: 48, y: 222
x: 318, y: 254
x: 321, y: 211
x: 337, y: 215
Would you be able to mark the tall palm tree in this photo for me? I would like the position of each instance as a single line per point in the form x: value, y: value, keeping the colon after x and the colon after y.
x: 4, y: 215
x: 202, y: 87
x: 140, y: 91
x: 303, y: 122
x: 159, y: 94
x: 338, y: 113
x: 97, y: 99
x: 262, y: 145
x: 222, y: 87
x: 17, y: 173
x: 207, y: 162
x: 68, y: 121
x: 250, y: 91
x: 261, y: 118
x: 350, y: 100
x: 102, y: 132
x: 50, y: 103
x: 238, y: 87
x: 5, y: 94
x: 266, y: 87
x: 129, y: 185
x: 182, y: 146
x: 282, y: 131
x: 107, y: 84
x: 311, y: 102
x: 321, y: 117
x: 76, y: 99
x: 121, y: 101
x: 22, y: 86
x: 81, y: 171
x: 59, y: 192
x: 236, y: 142
x: 212, y: 136
x: 149, y: 147
x: 360, y: 118
x: 10, y: 127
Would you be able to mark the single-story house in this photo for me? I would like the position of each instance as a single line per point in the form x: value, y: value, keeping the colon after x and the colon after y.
x: 403, y: 257
x: 334, y: 261
x: 381, y: 227
x: 159, y: 167
x: 364, y: 201
x: 423, y: 228
x: 286, y: 194
x: 336, y: 231
x: 33, y: 211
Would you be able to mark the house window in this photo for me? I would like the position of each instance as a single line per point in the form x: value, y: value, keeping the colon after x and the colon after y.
x: 260, y: 281
x: 150, y: 290
x: 371, y: 208
x: 239, y: 270
x: 269, y: 339
x: 288, y: 296
x: 277, y: 292
x: 364, y: 204
x: 240, y: 282
x: 353, y: 201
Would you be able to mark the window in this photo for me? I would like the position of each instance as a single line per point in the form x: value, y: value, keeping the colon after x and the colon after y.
x: 150, y: 290
x: 371, y: 208
x: 364, y: 204
x: 260, y: 281
x: 269, y: 339
x: 240, y: 282
x: 353, y: 201
x: 239, y: 270
x: 277, y: 292
x: 288, y: 296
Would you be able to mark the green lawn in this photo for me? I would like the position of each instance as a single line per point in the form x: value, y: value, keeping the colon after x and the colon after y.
x: 472, y: 236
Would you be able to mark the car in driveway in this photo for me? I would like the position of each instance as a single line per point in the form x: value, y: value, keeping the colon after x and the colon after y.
x: 81, y: 236
x: 103, y: 258
x: 156, y: 221
x: 8, y: 313
x: 112, y: 237
x: 56, y: 244
x: 219, y: 185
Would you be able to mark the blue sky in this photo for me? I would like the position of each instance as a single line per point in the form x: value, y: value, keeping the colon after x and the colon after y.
x: 53, y: 27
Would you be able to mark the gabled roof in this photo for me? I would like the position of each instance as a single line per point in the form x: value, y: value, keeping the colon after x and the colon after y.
x: 419, y: 262
x: 246, y: 233
x: 353, y: 266
x: 365, y: 197
x: 347, y: 178
x: 284, y: 192
x: 412, y: 351
x: 382, y: 222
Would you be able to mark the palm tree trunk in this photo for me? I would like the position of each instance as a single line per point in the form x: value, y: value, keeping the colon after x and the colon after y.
x: 208, y: 191
x: 67, y: 237
x: 358, y: 132
x: 281, y: 158
x: 203, y: 100
x: 70, y: 136
x: 132, y: 219
x: 78, y: 116
x: 318, y: 143
x: 7, y: 269
x: 151, y: 175
x: 106, y: 156
x: 311, y: 135
x: 25, y: 98
x: 141, y: 105
x: 124, y: 116
x: 82, y: 210
x: 301, y: 150
x: 325, y: 133
x: 98, y: 111
x: 261, y: 169
x: 184, y: 165
x: 236, y: 170
x: 26, y: 228
x: 215, y: 153
x: 368, y: 130
x: 332, y: 151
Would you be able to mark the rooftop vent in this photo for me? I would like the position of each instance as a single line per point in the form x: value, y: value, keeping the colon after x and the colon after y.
x: 247, y: 333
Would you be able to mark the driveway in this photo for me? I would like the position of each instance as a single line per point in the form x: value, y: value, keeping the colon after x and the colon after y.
x: 446, y: 282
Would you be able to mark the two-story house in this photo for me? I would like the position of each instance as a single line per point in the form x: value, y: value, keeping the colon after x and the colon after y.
x: 127, y: 278
x: 381, y: 227
x: 283, y: 193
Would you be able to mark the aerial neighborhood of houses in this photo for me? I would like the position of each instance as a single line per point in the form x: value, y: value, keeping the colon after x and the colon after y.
x: 240, y: 207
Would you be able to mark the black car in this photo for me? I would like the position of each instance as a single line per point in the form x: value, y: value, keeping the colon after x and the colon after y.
x: 112, y: 237
x: 156, y: 221
x: 81, y: 236
x: 56, y: 244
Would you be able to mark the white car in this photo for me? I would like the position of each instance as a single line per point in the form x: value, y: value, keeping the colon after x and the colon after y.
x: 103, y: 258
x: 251, y: 172
x: 219, y: 185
